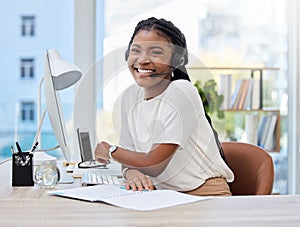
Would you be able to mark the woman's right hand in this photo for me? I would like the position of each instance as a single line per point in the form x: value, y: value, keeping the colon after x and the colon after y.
x: 136, y: 180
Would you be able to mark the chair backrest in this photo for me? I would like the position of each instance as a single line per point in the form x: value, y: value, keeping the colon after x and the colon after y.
x: 252, y: 166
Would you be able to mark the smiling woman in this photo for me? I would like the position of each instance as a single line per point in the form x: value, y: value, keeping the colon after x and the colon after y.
x: 166, y: 141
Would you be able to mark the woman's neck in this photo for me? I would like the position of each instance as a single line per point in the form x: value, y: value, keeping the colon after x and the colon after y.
x: 154, y: 91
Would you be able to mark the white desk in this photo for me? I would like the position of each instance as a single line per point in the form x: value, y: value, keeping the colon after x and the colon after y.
x: 31, y: 206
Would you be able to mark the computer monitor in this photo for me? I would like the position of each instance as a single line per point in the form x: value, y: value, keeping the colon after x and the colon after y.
x: 58, y: 75
x: 85, y: 145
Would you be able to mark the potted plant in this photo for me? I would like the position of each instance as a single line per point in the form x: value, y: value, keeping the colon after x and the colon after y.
x: 211, y: 100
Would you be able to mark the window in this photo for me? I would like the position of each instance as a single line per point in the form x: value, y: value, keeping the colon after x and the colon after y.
x: 28, y: 26
x: 27, y: 68
x: 27, y: 111
x: 34, y: 25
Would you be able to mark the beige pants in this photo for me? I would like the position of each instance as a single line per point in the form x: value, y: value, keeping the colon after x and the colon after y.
x: 212, y: 187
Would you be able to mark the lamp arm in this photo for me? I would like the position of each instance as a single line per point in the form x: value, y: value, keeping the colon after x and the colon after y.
x: 38, y: 132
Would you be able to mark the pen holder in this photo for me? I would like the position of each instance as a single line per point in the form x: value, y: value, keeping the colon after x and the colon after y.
x: 22, y: 170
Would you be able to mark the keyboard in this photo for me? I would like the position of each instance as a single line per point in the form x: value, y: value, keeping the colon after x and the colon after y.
x: 92, y: 178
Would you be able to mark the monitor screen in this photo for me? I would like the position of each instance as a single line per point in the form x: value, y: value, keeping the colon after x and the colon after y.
x: 54, y: 109
x: 85, y: 145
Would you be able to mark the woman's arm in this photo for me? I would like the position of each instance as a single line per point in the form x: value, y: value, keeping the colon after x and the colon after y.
x: 151, y: 163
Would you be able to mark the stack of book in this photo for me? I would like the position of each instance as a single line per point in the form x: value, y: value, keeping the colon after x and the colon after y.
x: 241, y: 95
x: 246, y: 95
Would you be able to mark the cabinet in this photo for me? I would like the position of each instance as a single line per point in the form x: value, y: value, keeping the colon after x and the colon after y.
x: 243, y: 93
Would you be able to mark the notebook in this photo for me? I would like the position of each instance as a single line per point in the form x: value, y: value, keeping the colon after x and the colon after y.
x: 136, y: 200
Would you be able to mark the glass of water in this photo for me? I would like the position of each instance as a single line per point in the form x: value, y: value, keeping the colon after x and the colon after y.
x: 47, y: 175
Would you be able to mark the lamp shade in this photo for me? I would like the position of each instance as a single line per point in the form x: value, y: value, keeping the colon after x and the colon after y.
x: 64, y: 73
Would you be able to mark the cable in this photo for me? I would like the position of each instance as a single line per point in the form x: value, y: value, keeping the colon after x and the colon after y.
x: 6, y: 160
x: 48, y: 149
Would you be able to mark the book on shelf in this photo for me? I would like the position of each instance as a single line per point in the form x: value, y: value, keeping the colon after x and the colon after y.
x: 225, y: 90
x: 255, y: 101
x: 248, y: 99
x: 235, y: 93
x: 242, y: 96
x: 251, y: 127
x: 267, y: 131
x: 261, y: 129
x: 137, y: 200
x: 269, y: 142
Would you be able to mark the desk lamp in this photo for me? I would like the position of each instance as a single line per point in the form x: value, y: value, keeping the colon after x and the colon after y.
x: 58, y: 75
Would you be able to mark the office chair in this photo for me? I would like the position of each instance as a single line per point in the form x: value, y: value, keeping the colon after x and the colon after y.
x: 252, y: 167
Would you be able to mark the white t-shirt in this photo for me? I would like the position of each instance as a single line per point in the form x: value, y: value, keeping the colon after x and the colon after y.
x: 176, y: 116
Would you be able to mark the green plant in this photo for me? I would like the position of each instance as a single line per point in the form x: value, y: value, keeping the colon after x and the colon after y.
x: 212, y: 101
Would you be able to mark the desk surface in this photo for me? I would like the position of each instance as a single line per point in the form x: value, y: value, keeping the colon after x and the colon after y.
x: 35, y: 208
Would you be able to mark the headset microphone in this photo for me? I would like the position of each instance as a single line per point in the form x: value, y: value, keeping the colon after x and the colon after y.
x: 162, y: 74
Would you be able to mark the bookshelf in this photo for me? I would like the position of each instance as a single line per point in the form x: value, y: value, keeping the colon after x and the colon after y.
x: 247, y: 99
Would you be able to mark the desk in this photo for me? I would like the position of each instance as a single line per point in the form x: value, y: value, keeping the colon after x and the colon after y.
x: 35, y: 208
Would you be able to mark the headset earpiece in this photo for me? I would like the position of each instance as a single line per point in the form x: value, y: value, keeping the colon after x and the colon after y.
x: 126, y: 54
x: 179, y: 60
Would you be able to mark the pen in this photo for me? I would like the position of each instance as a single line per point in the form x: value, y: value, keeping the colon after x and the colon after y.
x: 20, y: 151
x: 12, y: 149
x: 34, y: 147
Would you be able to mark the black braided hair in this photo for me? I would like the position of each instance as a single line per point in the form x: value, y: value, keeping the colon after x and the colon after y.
x: 168, y: 30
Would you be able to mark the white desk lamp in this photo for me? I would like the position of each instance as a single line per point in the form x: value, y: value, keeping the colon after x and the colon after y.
x: 59, y: 75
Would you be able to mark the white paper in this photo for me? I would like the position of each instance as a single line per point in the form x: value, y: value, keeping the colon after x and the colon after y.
x: 136, y: 200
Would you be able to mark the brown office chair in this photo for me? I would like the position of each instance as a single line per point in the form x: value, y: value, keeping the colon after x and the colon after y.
x: 252, y: 167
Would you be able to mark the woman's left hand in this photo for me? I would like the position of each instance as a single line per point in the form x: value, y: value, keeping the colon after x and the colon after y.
x: 101, y: 152
x: 136, y: 180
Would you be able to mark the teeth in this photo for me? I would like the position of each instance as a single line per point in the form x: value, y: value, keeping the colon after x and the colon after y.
x: 145, y: 70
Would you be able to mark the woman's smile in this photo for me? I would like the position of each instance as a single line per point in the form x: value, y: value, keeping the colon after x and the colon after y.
x: 144, y: 72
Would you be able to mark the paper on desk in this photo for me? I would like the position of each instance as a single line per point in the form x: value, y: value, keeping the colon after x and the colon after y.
x: 113, y: 194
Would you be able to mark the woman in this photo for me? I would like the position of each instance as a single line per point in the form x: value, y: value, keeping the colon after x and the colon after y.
x: 166, y: 141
